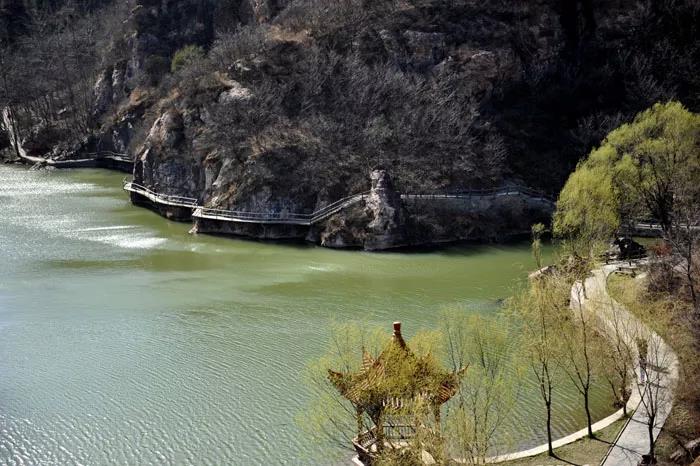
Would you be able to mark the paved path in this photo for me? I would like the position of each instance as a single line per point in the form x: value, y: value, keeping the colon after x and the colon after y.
x: 633, y: 441
x: 662, y: 371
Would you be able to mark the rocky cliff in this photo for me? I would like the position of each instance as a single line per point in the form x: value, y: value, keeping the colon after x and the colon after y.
x: 285, y: 107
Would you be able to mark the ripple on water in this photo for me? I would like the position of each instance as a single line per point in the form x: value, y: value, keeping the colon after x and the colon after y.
x: 194, y: 353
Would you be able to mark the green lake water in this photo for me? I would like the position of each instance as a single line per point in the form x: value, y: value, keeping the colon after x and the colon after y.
x: 125, y: 340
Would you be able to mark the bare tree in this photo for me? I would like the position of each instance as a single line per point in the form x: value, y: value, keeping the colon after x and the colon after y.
x: 580, y: 362
x: 490, y: 388
x: 539, y: 310
x: 657, y: 361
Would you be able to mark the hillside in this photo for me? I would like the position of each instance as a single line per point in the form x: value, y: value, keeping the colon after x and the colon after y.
x: 274, y: 105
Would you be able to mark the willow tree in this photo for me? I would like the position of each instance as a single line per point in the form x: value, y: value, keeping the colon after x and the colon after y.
x: 588, y: 209
x: 580, y: 362
x: 646, y: 169
x: 649, y: 168
x: 539, y: 310
x: 329, y: 418
x: 537, y: 231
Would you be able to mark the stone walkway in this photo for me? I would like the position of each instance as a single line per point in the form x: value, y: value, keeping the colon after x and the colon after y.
x: 656, y: 396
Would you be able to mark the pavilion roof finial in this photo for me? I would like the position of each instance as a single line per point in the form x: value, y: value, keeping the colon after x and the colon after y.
x: 398, y: 338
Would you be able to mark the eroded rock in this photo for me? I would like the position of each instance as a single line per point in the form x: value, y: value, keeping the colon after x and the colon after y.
x: 387, y: 227
x: 165, y: 162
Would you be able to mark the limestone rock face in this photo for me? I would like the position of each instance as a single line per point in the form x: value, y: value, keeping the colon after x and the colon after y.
x: 167, y: 131
x: 40, y: 139
x: 7, y: 154
x: 348, y: 229
x: 156, y: 30
x: 103, y: 93
x: 4, y: 140
x: 387, y: 227
x: 478, y: 218
x: 237, y: 93
x: 109, y: 89
x: 164, y: 163
x: 494, y: 53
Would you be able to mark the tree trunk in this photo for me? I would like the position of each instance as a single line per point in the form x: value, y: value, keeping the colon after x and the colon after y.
x: 436, y: 414
x: 588, y: 413
x: 625, y: 395
x: 380, y: 433
x: 689, y: 276
x: 550, y: 450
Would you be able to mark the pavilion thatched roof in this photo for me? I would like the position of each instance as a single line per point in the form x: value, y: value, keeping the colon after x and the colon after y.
x: 395, y: 377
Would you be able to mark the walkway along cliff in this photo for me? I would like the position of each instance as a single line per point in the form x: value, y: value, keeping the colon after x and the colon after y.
x: 107, y: 159
x: 378, y: 219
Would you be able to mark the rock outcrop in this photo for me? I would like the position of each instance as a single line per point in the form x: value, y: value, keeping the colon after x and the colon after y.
x: 484, y: 218
x: 164, y: 164
x: 167, y: 163
x: 387, y: 227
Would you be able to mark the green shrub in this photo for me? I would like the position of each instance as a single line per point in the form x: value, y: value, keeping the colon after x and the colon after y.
x: 185, y: 56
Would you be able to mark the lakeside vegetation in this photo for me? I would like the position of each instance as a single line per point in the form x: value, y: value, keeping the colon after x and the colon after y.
x: 647, y: 169
x: 287, y: 104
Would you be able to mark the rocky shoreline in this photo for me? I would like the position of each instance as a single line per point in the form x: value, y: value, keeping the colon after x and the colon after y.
x: 382, y: 220
x: 221, y: 136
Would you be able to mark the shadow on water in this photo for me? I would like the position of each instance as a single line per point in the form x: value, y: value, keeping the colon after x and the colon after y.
x: 291, y: 243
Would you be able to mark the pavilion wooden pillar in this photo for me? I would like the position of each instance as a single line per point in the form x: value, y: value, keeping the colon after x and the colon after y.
x: 380, y: 432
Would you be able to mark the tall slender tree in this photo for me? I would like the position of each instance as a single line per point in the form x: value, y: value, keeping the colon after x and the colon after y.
x: 538, y: 310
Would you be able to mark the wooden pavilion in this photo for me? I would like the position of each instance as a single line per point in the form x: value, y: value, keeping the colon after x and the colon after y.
x: 388, y: 388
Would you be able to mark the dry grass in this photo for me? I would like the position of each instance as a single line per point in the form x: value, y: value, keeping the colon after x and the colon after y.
x: 582, y: 452
x: 281, y: 34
